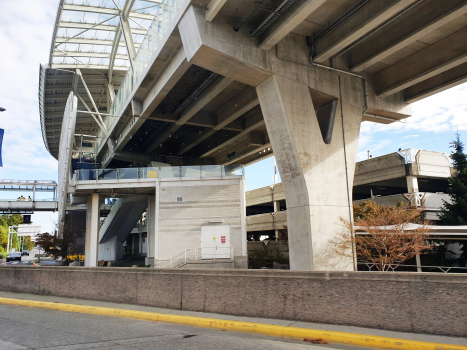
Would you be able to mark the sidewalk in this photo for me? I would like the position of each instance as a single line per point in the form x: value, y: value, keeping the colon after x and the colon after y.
x: 260, y: 322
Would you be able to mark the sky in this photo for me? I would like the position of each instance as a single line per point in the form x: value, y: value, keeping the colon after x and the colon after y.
x: 25, y: 35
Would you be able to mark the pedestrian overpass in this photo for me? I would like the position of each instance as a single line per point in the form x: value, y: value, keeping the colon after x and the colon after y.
x: 28, y: 188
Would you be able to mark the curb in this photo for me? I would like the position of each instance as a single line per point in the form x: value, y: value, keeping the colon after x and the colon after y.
x: 377, y: 342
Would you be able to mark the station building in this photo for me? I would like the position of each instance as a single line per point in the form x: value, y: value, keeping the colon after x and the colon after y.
x: 155, y: 105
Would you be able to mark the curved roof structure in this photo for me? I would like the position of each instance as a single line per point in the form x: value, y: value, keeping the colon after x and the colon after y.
x: 89, y: 36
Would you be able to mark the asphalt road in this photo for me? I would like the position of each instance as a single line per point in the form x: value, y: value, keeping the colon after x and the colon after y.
x: 28, y: 260
x: 30, y: 328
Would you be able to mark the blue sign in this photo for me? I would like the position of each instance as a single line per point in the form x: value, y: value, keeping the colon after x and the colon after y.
x: 1, y: 140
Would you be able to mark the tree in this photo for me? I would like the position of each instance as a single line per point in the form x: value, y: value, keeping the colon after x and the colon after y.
x: 5, y: 222
x: 386, y: 237
x: 455, y: 213
x: 62, y: 244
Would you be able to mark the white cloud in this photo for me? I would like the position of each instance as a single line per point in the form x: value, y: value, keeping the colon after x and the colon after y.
x: 25, y: 37
x: 445, y: 112
x: 26, y: 32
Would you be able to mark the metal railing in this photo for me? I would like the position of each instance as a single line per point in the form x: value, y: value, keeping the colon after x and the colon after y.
x: 413, y: 268
x: 184, y: 256
x: 184, y: 172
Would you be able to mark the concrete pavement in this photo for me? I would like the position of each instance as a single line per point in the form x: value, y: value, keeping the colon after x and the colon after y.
x: 24, y: 328
x: 460, y: 342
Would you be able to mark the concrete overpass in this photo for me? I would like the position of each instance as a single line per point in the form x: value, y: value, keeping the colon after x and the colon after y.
x: 412, y: 176
x: 231, y: 82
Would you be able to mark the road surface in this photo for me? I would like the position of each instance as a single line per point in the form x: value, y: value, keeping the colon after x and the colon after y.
x: 24, y: 328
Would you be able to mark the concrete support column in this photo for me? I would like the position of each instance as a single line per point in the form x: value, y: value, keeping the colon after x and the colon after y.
x: 412, y: 184
x: 92, y: 230
x: 313, y: 173
x: 140, y: 236
x: 152, y: 222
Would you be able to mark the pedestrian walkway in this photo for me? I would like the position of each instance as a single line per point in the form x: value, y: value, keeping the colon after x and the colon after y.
x: 374, y: 338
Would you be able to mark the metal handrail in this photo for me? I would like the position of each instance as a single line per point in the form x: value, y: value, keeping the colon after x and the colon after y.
x: 393, y: 267
x: 184, y: 256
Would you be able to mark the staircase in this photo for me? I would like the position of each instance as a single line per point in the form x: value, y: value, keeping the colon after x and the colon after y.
x: 123, y: 216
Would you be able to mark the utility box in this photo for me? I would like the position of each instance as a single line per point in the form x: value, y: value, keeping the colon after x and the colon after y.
x: 215, y: 242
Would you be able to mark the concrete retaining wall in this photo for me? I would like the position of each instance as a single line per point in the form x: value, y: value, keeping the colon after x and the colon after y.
x: 410, y: 302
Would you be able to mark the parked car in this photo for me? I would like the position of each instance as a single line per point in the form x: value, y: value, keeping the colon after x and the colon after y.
x: 14, y: 256
x: 25, y: 252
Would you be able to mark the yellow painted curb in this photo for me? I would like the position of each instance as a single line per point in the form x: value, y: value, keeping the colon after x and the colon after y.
x: 247, y: 327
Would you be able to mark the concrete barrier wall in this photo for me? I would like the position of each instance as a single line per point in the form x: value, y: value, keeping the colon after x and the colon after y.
x: 410, y: 302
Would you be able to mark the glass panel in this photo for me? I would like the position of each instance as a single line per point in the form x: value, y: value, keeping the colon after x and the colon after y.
x: 191, y: 171
x: 128, y: 173
x: 86, y: 175
x: 163, y: 18
x: 232, y: 169
x: 148, y: 173
x: 107, y: 174
x: 168, y: 171
x: 211, y: 170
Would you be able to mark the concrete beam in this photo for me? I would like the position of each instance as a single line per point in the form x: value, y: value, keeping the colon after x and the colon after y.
x: 237, y: 106
x: 216, y: 47
x: 438, y: 83
x: 207, y: 96
x: 410, y: 27
x: 213, y: 8
x: 255, y: 121
x: 131, y: 157
x: 427, y: 63
x: 245, y: 158
x: 360, y: 23
x: 292, y: 17
x: 198, y: 41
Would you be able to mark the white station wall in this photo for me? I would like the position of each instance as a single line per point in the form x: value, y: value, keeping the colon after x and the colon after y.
x: 180, y: 222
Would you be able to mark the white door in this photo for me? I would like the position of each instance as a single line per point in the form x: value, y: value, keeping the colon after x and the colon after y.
x: 215, y: 242
x: 144, y: 248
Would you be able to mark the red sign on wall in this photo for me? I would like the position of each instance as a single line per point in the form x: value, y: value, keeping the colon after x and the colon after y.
x: 222, y: 239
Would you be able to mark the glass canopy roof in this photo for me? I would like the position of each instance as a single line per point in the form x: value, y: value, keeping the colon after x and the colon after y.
x: 88, y: 35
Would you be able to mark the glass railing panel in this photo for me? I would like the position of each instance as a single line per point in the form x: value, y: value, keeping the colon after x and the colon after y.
x: 170, y: 172
x: 148, y: 173
x: 86, y: 174
x: 107, y: 174
x: 211, y: 171
x: 228, y: 170
x: 127, y: 173
x: 191, y: 171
